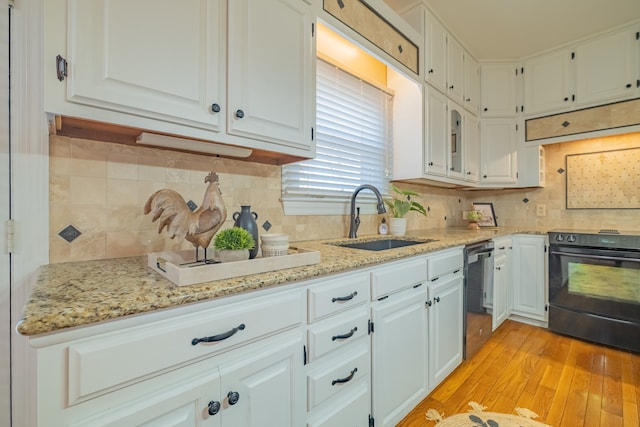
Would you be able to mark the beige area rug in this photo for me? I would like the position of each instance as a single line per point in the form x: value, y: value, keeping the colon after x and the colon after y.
x: 477, y: 417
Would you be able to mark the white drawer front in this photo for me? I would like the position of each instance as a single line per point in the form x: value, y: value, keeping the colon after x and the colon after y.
x: 337, y: 331
x: 334, y: 295
x: 445, y: 263
x: 401, y: 275
x: 352, y: 409
x: 110, y: 361
x: 338, y: 374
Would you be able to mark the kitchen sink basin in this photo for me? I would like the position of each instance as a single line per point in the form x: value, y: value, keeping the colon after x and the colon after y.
x: 383, y: 244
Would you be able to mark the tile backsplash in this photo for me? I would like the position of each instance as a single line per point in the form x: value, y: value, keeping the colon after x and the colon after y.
x: 100, y: 189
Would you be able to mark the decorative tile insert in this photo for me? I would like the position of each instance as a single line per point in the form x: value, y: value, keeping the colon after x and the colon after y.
x: 70, y: 233
x: 191, y: 204
x: 525, y: 200
x: 560, y: 170
x: 266, y: 225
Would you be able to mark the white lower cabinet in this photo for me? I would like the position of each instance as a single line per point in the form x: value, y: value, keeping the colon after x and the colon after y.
x: 502, y: 281
x: 349, y: 349
x: 529, y: 278
x: 338, y: 352
x: 399, y: 354
x: 446, y: 314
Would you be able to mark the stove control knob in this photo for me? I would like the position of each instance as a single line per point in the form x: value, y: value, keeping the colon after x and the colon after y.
x: 559, y: 238
x: 571, y: 238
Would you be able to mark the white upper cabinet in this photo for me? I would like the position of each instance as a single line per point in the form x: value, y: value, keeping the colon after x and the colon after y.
x: 242, y: 75
x: 607, y: 67
x: 498, y: 89
x: 498, y: 152
x: 548, y: 82
x: 436, y: 120
x: 471, y: 142
x: 270, y: 70
x: 435, y: 56
x: 471, y: 84
x: 145, y: 57
x: 455, y: 70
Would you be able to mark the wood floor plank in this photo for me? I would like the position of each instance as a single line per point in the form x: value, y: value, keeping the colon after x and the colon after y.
x: 567, y: 382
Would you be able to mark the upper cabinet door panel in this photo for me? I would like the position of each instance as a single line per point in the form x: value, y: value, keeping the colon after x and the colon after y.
x: 435, y: 72
x: 270, y: 70
x: 146, y: 57
x: 455, y: 70
x: 498, y: 90
x: 606, y: 67
x: 548, y: 82
x: 471, y: 84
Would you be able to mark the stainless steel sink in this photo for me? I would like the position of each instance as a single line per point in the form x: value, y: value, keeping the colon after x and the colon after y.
x: 383, y: 244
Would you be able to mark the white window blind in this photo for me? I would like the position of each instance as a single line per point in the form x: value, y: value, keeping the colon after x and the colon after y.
x: 353, y: 146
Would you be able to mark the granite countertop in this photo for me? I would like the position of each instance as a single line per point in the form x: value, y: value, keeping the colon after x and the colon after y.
x: 82, y: 293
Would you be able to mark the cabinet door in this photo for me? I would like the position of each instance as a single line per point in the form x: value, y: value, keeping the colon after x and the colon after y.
x: 498, y: 152
x: 471, y: 84
x: 498, y: 90
x: 265, y: 386
x: 500, y: 289
x: 529, y: 276
x: 147, y: 57
x: 455, y: 70
x: 436, y: 53
x: 399, y: 355
x: 471, y: 142
x: 270, y: 71
x: 436, y: 134
x: 352, y: 409
x: 547, y: 82
x: 606, y: 67
x: 191, y: 402
x: 445, y: 328
x: 455, y: 142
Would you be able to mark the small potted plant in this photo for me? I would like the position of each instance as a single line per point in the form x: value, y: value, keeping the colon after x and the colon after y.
x: 233, y: 244
x: 399, y: 206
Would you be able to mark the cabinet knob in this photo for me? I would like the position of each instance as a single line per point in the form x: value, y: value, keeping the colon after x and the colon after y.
x: 629, y: 85
x: 430, y: 163
x: 239, y: 114
x: 486, y: 109
x: 451, y: 87
x: 215, y: 108
x: 497, y: 268
x: 484, y: 176
x: 233, y: 397
x: 430, y: 70
x: 437, y: 299
x: 214, y: 407
x: 468, y: 100
x: 566, y: 98
x: 468, y: 172
x: 428, y: 303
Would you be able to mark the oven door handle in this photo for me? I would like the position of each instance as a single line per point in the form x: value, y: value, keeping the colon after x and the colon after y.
x: 611, y: 258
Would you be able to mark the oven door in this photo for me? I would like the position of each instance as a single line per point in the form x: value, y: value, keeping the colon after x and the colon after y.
x: 604, y: 282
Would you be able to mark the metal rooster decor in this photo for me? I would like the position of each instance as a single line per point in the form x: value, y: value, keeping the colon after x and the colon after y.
x: 199, y: 226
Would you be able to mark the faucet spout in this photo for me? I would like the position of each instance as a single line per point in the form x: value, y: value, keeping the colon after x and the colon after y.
x: 353, y: 225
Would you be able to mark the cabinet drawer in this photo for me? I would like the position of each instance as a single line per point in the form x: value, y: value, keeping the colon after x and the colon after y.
x: 337, y: 332
x: 110, y: 361
x: 352, y: 409
x: 334, y: 295
x: 401, y: 275
x: 338, y: 374
x: 444, y: 263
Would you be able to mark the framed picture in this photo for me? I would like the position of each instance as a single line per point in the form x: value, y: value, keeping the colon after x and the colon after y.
x: 488, y: 214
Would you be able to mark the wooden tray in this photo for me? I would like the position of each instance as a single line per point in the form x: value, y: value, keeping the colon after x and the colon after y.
x: 181, y: 269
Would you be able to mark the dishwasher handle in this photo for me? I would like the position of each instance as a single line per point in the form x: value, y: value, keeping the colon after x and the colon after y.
x: 476, y: 256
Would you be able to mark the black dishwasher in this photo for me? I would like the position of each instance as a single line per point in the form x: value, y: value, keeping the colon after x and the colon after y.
x: 478, y: 295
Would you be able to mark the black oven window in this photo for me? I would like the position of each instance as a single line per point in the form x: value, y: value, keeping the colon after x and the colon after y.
x: 604, y: 282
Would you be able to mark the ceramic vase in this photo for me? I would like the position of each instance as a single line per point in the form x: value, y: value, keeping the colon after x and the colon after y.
x: 397, y: 226
x: 247, y: 220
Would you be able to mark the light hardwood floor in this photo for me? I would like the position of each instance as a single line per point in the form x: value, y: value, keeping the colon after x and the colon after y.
x: 567, y: 382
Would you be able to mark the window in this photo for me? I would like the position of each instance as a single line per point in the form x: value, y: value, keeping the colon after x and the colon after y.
x: 353, y: 146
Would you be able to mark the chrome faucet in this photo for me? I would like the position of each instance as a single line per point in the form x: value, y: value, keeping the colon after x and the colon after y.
x: 355, y: 220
